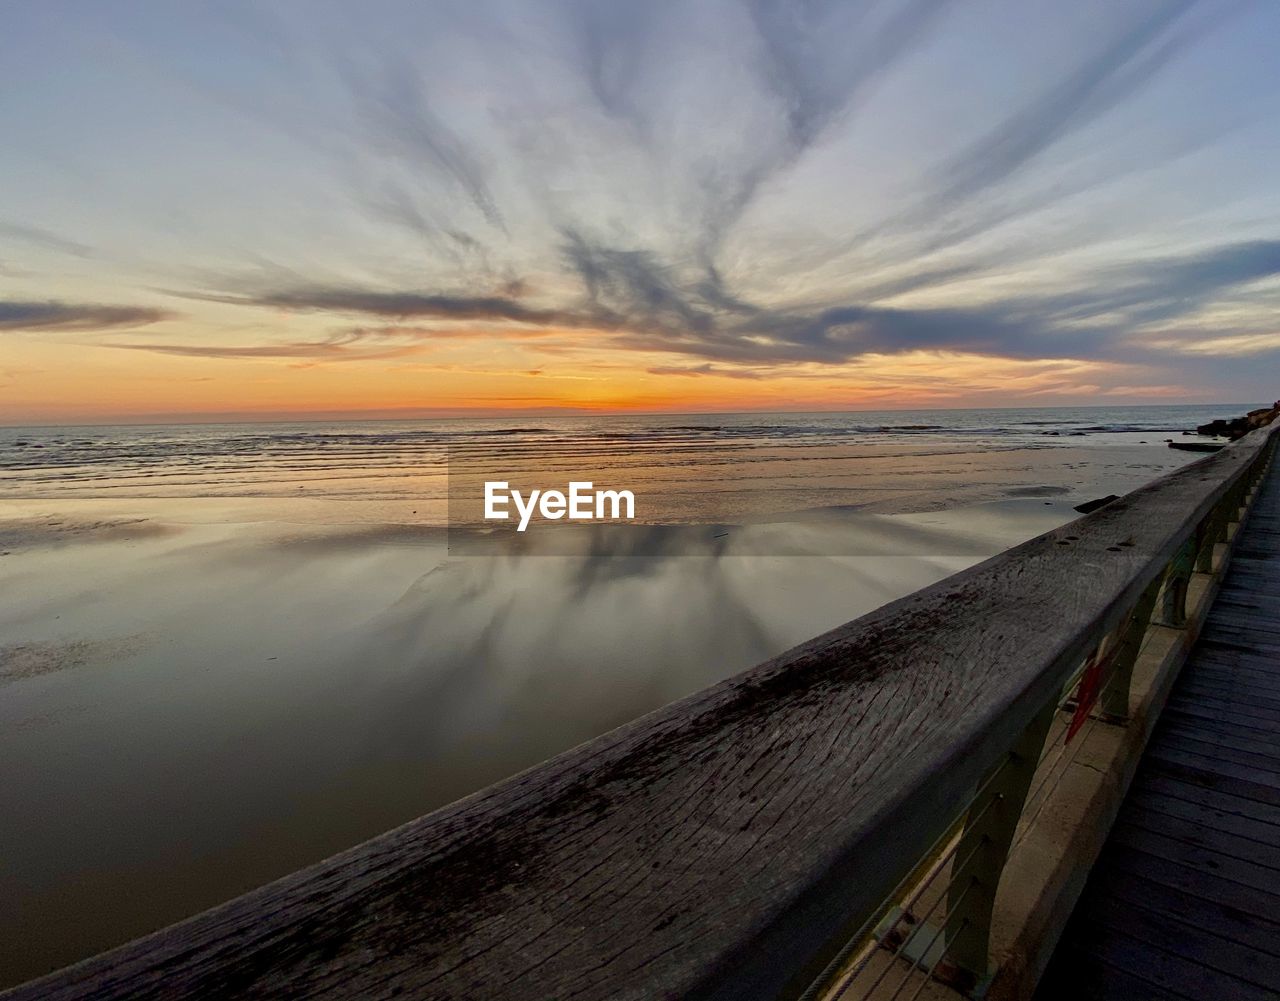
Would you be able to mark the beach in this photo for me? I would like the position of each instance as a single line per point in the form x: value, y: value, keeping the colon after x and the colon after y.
x: 219, y: 667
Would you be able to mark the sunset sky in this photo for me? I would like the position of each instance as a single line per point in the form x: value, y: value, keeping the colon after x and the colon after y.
x: 251, y: 209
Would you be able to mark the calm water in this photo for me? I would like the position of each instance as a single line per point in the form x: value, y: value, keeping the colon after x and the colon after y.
x: 401, y: 460
x: 229, y: 651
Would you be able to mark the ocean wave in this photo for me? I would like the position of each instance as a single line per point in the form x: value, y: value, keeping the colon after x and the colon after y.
x: 292, y: 456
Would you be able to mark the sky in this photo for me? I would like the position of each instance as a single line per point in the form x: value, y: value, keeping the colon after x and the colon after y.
x: 256, y: 209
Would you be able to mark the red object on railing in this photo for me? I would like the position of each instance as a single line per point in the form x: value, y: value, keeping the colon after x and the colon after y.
x: 1092, y: 681
x: 1088, y: 691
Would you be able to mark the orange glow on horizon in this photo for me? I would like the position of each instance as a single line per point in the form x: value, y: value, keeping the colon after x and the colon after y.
x: 42, y: 382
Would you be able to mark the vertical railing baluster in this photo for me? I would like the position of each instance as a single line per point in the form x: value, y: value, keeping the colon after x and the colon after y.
x: 1173, y: 598
x: 1115, y: 694
x: 984, y: 847
x: 1207, y: 537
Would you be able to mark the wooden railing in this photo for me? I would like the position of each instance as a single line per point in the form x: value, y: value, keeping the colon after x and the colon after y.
x: 733, y: 844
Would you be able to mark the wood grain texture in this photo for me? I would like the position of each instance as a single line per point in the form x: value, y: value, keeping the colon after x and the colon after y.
x: 715, y: 848
x: 1191, y: 870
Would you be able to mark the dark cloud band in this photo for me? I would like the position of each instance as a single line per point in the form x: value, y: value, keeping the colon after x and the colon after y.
x: 53, y: 316
x: 637, y: 302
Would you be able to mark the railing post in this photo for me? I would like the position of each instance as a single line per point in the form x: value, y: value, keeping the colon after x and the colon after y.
x: 1216, y: 526
x: 1115, y: 696
x: 1241, y: 496
x: 1173, y: 599
x: 1212, y: 531
x: 984, y: 847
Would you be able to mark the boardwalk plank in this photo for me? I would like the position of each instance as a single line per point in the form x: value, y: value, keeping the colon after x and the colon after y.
x: 1217, y: 721
x: 1243, y: 743
x: 1151, y: 964
x: 1168, y: 934
x: 1229, y: 710
x: 1229, y: 691
x: 1247, y: 663
x: 1254, y: 756
x: 1197, y: 834
x: 1255, y: 932
x: 1078, y: 973
x: 1262, y: 881
x: 1266, y: 783
x: 1233, y: 679
x: 1235, y: 665
x: 1222, y: 812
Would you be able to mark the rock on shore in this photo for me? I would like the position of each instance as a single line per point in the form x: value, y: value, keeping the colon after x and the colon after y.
x: 1238, y: 427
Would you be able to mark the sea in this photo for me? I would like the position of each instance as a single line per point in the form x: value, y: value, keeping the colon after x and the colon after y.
x: 382, y: 464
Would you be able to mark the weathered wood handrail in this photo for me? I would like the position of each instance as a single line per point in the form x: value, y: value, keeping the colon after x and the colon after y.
x: 724, y: 846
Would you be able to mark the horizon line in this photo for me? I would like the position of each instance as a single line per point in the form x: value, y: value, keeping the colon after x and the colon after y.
x: 480, y: 414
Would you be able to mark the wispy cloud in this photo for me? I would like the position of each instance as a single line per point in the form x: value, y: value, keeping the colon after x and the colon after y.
x: 352, y: 344
x: 55, y: 316
x: 635, y: 302
x: 702, y: 129
x: 991, y: 181
x: 1116, y: 70
x: 395, y: 109
x: 1167, y: 288
x: 393, y: 304
x: 707, y: 369
x: 40, y: 237
x: 817, y: 60
x: 345, y: 346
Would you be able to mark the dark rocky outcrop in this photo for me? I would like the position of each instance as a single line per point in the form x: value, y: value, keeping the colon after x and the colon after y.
x: 1093, y: 505
x: 1197, y: 446
x: 1237, y: 427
